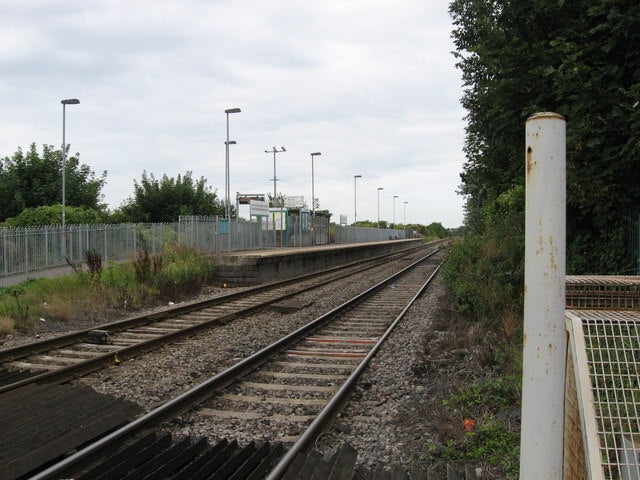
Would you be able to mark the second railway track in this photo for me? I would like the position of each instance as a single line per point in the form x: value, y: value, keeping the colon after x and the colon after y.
x: 302, y: 380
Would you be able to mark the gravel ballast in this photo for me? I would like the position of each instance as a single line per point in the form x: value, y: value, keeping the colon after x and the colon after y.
x: 388, y: 417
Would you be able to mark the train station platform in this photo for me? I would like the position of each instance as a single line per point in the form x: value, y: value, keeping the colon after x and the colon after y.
x: 254, y: 267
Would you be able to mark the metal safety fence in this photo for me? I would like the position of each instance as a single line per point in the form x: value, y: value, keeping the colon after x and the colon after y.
x: 360, y: 234
x: 632, y: 244
x: 37, y: 252
x: 602, y: 396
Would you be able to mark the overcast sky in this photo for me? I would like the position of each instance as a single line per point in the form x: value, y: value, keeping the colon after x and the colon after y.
x: 371, y: 84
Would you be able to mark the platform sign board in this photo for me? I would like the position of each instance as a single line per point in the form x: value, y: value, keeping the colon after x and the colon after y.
x: 258, y: 208
x: 294, y: 201
x: 343, y: 219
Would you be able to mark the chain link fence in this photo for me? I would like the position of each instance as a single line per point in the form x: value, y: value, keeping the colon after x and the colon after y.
x: 36, y: 252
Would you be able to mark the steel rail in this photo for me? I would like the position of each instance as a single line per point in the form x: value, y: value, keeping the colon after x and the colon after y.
x: 208, y: 388
x: 338, y: 401
x: 41, y: 346
x: 89, y: 365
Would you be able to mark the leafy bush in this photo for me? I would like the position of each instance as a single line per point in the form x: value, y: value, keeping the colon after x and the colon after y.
x: 184, y: 269
x: 52, y: 215
x: 485, y: 271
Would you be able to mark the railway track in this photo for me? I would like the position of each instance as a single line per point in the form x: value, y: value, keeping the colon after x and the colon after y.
x: 81, y: 352
x: 297, y: 385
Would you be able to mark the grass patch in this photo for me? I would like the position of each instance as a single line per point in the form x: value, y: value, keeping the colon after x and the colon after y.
x: 106, y: 290
x: 487, y: 431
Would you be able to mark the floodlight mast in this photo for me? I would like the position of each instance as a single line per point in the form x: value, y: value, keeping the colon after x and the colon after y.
x: 274, y: 150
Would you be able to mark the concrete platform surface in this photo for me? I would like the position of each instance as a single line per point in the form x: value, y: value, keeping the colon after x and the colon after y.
x: 254, y: 267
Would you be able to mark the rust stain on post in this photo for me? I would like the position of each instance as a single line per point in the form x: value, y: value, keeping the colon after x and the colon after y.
x: 530, y: 161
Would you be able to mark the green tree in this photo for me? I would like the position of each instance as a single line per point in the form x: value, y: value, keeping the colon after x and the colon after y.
x: 435, y: 229
x: 29, y: 180
x: 580, y: 59
x: 52, y: 215
x: 166, y: 199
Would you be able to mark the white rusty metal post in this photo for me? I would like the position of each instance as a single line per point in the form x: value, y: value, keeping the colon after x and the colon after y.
x: 541, y: 444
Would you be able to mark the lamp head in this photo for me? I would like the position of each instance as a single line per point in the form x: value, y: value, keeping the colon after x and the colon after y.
x: 232, y: 110
x: 70, y: 101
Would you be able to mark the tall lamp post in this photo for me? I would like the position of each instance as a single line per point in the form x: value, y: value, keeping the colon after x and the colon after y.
x: 68, y: 101
x: 394, y: 211
x: 379, y: 188
x: 404, y: 219
x: 227, y: 210
x: 313, y: 201
x: 355, y: 201
x: 275, y: 150
x: 227, y: 186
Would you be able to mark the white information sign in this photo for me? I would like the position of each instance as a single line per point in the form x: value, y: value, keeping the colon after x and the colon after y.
x: 258, y: 208
x: 291, y: 201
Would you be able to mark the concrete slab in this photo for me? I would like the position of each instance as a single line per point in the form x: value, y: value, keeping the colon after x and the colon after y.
x: 290, y: 306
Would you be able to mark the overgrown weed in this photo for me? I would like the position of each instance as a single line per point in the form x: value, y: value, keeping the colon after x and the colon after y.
x: 106, y: 290
x: 6, y: 326
x: 485, y: 274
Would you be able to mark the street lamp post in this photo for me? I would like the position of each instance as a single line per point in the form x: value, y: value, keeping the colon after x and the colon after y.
x: 404, y: 219
x: 275, y: 150
x: 379, y: 188
x: 394, y: 211
x: 313, y: 201
x: 227, y: 186
x: 355, y: 201
x: 227, y: 210
x: 68, y: 101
